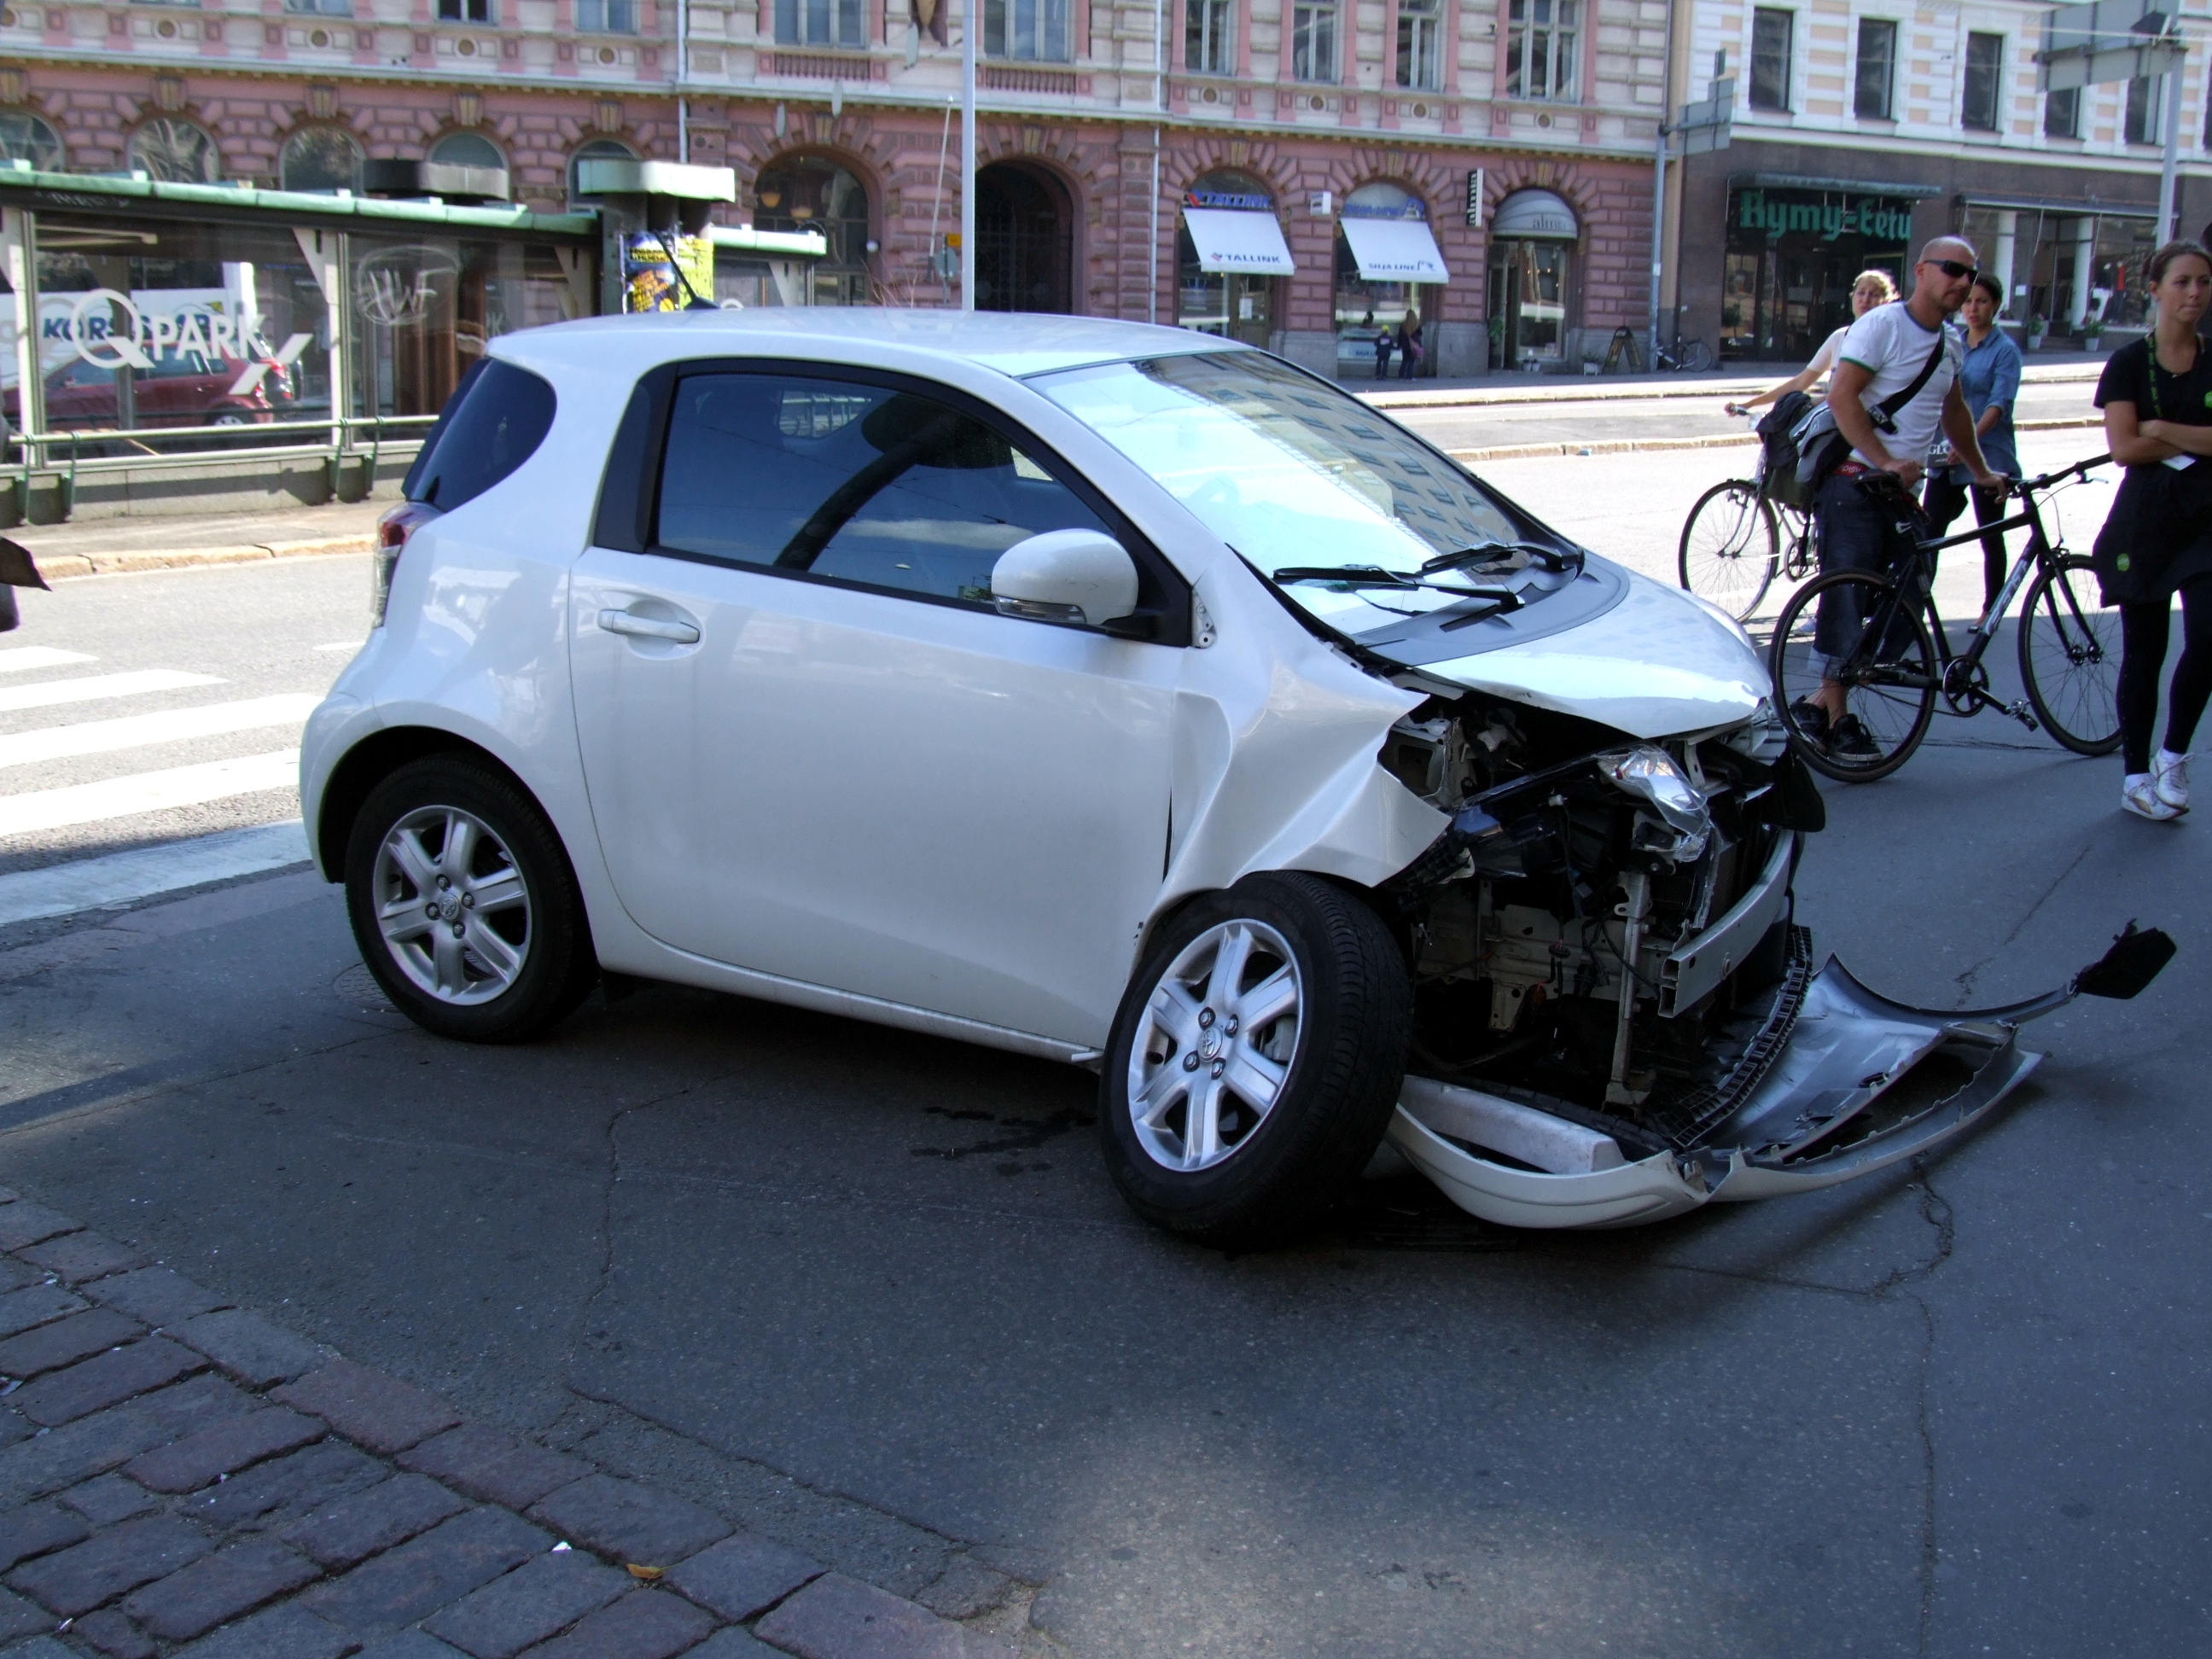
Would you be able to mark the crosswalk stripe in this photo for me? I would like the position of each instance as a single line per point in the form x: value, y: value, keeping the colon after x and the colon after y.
x: 48, y: 694
x: 168, y: 726
x: 146, y: 792
x: 63, y: 890
x: 19, y: 659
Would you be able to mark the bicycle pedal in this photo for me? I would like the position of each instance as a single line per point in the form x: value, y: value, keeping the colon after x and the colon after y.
x: 2019, y: 711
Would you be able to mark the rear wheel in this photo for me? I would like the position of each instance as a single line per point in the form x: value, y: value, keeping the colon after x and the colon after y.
x: 1886, y: 667
x: 1730, y: 546
x: 1696, y: 356
x: 464, y: 905
x: 1255, y: 1062
x: 2069, y: 657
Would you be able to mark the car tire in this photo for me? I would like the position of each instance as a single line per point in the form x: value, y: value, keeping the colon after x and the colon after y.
x: 433, y: 839
x: 1223, y: 1168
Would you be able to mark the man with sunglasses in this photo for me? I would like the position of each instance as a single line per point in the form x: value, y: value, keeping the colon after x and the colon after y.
x: 1895, y: 384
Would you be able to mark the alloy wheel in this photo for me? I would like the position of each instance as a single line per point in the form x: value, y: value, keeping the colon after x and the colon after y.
x: 1214, y: 1045
x: 452, y: 908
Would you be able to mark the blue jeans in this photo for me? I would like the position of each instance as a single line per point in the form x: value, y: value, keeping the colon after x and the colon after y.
x: 1858, y: 531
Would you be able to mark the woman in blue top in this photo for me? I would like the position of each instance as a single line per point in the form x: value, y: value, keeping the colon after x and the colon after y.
x: 1991, y: 381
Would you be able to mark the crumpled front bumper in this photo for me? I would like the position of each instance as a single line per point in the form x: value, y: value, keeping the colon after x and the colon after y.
x: 1862, y: 1084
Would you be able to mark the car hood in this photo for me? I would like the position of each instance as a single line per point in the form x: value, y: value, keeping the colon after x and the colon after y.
x: 1652, y: 664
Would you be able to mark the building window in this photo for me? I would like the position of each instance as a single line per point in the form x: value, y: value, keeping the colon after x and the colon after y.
x: 1979, y: 108
x: 468, y: 150
x: 321, y: 7
x: 809, y: 193
x: 1771, y: 34
x: 174, y: 152
x: 2061, y: 114
x: 28, y: 138
x: 819, y: 23
x: 1026, y: 28
x: 1877, y: 69
x: 1540, y: 49
x: 466, y: 11
x: 599, y: 149
x: 2143, y: 122
x: 606, y: 17
x: 319, y: 159
x: 1206, y: 37
x: 1419, y: 22
x: 1313, y: 40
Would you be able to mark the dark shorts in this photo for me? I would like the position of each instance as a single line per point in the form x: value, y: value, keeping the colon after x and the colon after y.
x: 1857, y: 532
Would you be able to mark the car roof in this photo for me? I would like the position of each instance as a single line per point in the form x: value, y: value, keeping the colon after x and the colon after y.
x: 1016, y: 344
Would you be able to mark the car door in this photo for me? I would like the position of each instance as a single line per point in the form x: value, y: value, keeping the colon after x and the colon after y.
x: 814, y: 748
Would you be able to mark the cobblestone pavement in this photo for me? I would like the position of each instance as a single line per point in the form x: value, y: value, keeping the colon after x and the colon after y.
x: 178, y: 1476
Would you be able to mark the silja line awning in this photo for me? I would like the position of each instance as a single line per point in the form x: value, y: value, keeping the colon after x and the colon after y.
x: 1394, y: 250
x: 1228, y: 240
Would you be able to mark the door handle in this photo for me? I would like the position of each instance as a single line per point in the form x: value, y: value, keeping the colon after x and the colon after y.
x: 649, y: 628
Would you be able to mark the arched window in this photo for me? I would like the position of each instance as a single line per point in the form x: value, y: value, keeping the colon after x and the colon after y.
x: 1227, y: 287
x: 598, y: 149
x: 28, y: 138
x: 320, y: 159
x: 806, y: 192
x: 1379, y: 299
x: 468, y: 150
x: 1532, y: 250
x: 176, y: 152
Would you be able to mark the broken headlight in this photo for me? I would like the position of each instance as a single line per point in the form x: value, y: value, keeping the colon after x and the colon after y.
x: 1682, y: 825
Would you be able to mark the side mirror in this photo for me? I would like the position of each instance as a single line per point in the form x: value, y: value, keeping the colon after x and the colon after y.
x: 1066, y: 576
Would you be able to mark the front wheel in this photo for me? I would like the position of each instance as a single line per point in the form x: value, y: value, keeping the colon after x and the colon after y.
x: 1883, y: 659
x: 2069, y: 657
x: 1255, y: 1060
x: 464, y: 905
x: 1696, y: 356
x: 1730, y: 546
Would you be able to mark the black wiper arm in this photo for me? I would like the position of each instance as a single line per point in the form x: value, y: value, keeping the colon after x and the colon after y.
x: 1550, y: 557
x: 1374, y: 576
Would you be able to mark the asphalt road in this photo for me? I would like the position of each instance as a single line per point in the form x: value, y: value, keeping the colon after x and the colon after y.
x: 871, y: 1292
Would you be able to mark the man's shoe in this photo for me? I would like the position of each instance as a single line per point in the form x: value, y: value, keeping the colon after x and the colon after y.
x: 2169, y: 775
x: 1852, y: 740
x: 2139, y: 795
x: 1810, y: 720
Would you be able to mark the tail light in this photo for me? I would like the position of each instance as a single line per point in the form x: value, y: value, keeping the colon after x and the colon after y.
x: 392, y: 531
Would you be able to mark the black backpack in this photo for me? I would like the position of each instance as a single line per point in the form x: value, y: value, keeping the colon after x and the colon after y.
x: 1778, y: 448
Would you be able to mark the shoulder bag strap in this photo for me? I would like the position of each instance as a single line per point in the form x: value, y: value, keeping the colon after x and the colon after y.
x: 1896, y: 401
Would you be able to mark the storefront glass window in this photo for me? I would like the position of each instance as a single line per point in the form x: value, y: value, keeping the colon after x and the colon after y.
x: 1235, y: 304
x: 421, y: 310
x: 1529, y: 289
x: 1365, y: 308
x: 178, y: 324
x: 175, y: 152
x: 1791, y: 257
x: 806, y: 192
x: 752, y: 279
x: 2119, y: 290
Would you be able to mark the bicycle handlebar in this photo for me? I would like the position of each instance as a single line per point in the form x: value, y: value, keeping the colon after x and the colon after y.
x: 2080, y: 469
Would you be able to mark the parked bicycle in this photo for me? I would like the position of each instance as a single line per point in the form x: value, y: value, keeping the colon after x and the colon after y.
x: 1687, y: 356
x: 1896, y: 658
x: 1743, y: 533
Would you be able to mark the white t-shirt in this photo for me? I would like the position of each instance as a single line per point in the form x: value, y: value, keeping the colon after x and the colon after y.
x: 1890, y: 341
x: 1825, y: 358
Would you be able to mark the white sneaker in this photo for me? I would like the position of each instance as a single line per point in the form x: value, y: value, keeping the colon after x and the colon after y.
x: 2139, y: 795
x: 2170, y: 777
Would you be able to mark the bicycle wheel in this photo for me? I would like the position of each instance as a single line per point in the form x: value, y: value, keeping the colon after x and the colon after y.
x: 1695, y: 357
x: 2069, y: 657
x: 1731, y: 547
x: 1886, y: 667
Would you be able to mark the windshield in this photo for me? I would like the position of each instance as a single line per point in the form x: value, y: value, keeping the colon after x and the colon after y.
x: 1289, y: 471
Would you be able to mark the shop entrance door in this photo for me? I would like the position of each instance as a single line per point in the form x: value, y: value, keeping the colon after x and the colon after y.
x: 1528, y: 298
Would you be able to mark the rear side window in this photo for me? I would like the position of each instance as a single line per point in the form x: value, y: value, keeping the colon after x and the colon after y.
x: 493, y: 422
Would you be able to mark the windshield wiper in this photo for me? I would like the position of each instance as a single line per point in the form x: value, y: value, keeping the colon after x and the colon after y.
x: 1550, y: 557
x: 1374, y: 576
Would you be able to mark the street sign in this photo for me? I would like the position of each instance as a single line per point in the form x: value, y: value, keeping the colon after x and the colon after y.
x: 1474, y: 197
x: 2108, y: 41
x: 1705, y: 125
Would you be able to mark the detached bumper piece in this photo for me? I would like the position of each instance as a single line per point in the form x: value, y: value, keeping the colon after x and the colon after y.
x: 1851, y: 1083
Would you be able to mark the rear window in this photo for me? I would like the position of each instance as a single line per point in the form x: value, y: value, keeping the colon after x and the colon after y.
x: 493, y: 422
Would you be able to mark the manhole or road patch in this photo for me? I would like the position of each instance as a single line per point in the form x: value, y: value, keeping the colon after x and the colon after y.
x: 357, y: 988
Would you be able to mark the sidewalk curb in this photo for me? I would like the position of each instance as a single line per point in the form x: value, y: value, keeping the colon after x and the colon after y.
x: 65, y: 566
x: 1567, y: 390
x: 1714, y: 440
x: 174, y: 1467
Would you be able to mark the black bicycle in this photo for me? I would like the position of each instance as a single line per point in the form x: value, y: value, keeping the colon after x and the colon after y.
x: 1896, y: 660
x: 1741, y: 534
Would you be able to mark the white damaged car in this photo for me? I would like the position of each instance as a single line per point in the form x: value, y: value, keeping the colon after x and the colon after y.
x: 1119, y: 695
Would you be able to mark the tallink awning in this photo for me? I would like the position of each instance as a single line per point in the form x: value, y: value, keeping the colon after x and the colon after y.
x: 1227, y: 240
x: 1394, y: 250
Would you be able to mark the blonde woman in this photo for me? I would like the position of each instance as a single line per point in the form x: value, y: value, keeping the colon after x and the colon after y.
x: 1869, y: 289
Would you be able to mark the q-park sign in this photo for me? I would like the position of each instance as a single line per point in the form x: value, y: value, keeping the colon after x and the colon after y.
x: 115, y: 331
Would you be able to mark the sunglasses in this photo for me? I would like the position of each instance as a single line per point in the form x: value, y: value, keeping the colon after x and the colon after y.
x: 1953, y: 267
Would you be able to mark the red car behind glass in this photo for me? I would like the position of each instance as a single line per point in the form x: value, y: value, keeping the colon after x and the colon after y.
x: 191, y: 389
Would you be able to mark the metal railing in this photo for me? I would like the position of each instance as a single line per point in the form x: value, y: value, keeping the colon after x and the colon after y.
x: 338, y: 446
